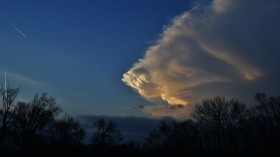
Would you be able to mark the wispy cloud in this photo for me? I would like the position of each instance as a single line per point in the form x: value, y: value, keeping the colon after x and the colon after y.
x: 21, y: 79
x: 161, y: 111
x: 227, y: 44
x: 18, y: 30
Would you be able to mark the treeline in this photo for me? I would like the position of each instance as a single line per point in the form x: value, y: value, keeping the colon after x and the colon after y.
x: 35, y: 128
x: 221, y: 127
x: 217, y: 127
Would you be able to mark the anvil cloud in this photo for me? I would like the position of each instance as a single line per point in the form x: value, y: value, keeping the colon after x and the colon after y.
x: 219, y: 48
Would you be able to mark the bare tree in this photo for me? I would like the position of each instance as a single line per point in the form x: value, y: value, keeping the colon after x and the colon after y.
x: 163, y: 136
x: 174, y: 136
x: 269, y: 110
x: 30, y: 119
x: 218, y: 116
x: 106, y: 133
x: 263, y: 124
x: 67, y: 131
x: 8, y: 95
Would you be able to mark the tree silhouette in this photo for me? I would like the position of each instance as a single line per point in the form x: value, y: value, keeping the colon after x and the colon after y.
x: 217, y: 127
x: 174, y: 136
x: 8, y: 95
x: 67, y: 131
x: 262, y: 126
x: 106, y: 133
x: 269, y: 110
x: 30, y: 119
x: 219, y: 117
x: 162, y: 137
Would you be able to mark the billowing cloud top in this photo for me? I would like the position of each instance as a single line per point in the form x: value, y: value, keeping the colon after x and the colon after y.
x: 209, y: 49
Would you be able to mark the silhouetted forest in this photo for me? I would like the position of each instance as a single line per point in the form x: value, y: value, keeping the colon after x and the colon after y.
x: 217, y: 127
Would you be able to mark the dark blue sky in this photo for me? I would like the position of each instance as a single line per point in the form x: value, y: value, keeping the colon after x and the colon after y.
x: 140, y: 57
x: 77, y: 51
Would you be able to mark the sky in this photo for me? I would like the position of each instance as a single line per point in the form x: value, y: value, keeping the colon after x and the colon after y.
x: 77, y: 51
x: 141, y: 58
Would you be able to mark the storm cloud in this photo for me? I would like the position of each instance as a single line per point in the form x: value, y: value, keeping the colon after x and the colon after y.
x: 225, y: 47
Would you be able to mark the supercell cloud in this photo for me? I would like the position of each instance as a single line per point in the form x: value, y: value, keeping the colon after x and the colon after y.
x: 225, y: 47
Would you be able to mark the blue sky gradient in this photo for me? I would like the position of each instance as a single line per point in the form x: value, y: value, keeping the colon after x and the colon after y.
x: 77, y: 51
x: 143, y: 58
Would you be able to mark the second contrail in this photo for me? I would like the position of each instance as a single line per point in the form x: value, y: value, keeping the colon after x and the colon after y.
x: 19, y: 31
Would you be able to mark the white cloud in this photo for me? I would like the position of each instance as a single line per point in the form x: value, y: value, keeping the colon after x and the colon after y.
x: 221, y: 6
x: 175, y: 111
x: 231, y: 44
x: 21, y: 79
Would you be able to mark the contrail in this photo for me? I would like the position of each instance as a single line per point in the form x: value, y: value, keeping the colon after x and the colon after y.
x: 19, y: 31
